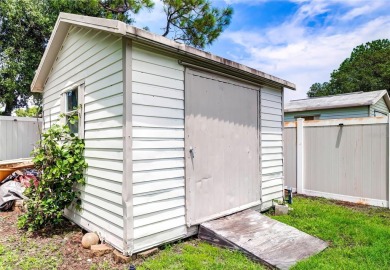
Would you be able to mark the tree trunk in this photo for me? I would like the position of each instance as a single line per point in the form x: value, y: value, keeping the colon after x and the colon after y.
x: 8, y: 109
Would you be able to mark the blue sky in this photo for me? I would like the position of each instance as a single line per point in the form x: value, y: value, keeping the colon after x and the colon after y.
x: 298, y: 40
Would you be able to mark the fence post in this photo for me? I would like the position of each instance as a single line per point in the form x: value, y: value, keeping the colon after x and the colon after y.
x: 300, y: 156
x: 388, y: 160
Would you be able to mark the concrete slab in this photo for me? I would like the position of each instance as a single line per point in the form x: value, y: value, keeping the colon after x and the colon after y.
x: 262, y: 238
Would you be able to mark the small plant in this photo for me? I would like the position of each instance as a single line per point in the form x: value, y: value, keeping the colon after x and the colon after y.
x: 60, y: 162
x: 278, y: 202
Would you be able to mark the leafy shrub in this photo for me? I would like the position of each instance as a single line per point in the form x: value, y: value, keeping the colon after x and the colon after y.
x: 60, y: 162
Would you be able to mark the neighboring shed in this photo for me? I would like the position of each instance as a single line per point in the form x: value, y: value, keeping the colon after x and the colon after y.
x: 174, y: 136
x: 351, y: 105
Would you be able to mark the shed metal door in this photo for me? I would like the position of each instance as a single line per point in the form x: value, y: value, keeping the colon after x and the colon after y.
x: 222, y: 146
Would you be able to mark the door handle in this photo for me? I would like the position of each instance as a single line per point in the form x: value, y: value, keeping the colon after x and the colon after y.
x: 192, y: 152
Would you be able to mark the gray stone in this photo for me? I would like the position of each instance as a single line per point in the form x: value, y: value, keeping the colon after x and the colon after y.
x: 89, y: 239
x: 281, y: 210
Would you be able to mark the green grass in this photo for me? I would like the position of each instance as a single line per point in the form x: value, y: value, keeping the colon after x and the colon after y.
x: 29, y: 257
x: 358, y: 237
x: 198, y: 255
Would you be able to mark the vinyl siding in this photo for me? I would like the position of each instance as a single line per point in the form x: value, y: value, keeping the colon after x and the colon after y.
x: 96, y: 58
x: 271, y: 146
x: 158, y: 149
x: 379, y: 109
x: 352, y: 112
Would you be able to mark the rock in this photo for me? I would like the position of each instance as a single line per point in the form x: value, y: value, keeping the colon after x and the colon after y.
x: 89, y: 239
x: 120, y: 258
x: 147, y: 253
x: 66, y: 239
x: 19, y: 203
x: 19, y: 206
x: 100, y: 250
x: 281, y: 210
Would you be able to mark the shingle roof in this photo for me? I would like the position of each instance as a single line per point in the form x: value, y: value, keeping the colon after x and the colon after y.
x: 119, y: 28
x: 337, y: 101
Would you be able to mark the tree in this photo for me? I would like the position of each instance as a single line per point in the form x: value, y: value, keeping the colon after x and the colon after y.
x: 23, y: 35
x: 111, y: 9
x: 26, y: 25
x: 367, y: 69
x: 318, y: 89
x: 195, y: 22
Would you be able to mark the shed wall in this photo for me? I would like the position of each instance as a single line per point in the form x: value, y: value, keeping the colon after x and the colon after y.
x: 158, y: 149
x: 272, y: 145
x: 379, y: 109
x: 336, y: 113
x: 94, y: 57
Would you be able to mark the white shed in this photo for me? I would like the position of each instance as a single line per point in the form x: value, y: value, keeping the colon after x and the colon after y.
x: 174, y: 136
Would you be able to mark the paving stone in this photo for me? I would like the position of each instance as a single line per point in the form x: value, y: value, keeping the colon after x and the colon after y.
x: 281, y: 210
x: 100, y: 250
x: 118, y: 257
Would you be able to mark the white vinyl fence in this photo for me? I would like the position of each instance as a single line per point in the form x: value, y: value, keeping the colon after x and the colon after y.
x: 342, y: 159
x: 18, y: 135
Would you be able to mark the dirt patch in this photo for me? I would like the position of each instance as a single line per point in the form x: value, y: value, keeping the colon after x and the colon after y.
x: 51, y: 249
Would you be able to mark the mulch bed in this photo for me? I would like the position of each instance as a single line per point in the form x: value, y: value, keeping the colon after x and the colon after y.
x: 64, y: 241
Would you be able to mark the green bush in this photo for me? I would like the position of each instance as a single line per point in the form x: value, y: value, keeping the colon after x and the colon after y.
x: 60, y: 162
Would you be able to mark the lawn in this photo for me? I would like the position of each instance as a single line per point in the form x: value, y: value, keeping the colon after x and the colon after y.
x: 195, y: 254
x: 358, y: 236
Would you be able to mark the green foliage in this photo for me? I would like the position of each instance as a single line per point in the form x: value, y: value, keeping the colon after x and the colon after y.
x: 195, y: 22
x: 25, y: 29
x: 367, y: 69
x: 122, y: 9
x: 59, y: 159
x: 358, y: 236
x: 26, y: 26
x: 318, y: 90
x: 111, y: 9
x: 23, y: 36
x: 28, y: 112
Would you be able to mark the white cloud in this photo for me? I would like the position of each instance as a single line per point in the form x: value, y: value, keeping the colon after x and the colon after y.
x: 292, y: 50
x: 154, y: 19
x: 362, y: 10
x: 295, y: 52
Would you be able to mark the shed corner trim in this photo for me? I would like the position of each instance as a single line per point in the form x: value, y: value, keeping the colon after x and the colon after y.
x: 127, y: 183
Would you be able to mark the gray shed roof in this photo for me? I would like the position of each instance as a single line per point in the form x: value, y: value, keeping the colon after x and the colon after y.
x: 337, y: 101
x: 186, y: 53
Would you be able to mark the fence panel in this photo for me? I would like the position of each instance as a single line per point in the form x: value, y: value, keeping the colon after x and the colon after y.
x: 345, y: 159
x: 18, y: 135
x: 290, y: 157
